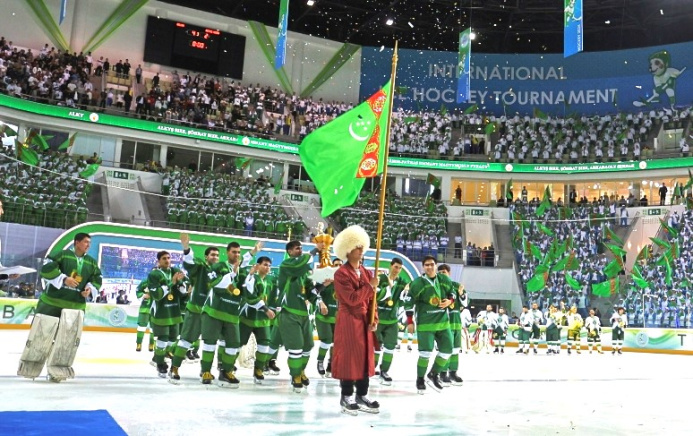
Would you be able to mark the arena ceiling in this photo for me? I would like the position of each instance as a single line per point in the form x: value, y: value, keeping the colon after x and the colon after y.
x: 501, y: 26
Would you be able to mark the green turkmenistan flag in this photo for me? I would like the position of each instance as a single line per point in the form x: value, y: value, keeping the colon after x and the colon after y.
x: 538, y: 113
x: 538, y: 281
x: 545, y: 202
x: 9, y: 132
x: 278, y: 184
x: 433, y: 180
x: 613, y: 268
x: 644, y: 254
x: 545, y: 230
x: 69, y: 142
x: 26, y: 154
x: 672, y: 232
x: 638, y: 278
x: 90, y: 170
x: 572, y: 282
x: 688, y: 184
x: 610, y: 234
x: 617, y: 251
x: 242, y: 162
x: 340, y: 155
x: 661, y: 243
x: 605, y: 289
x: 509, y: 189
x: 471, y: 109
x: 532, y: 249
x: 490, y: 128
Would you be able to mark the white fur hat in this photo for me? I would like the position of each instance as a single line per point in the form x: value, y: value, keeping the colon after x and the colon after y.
x: 350, y: 238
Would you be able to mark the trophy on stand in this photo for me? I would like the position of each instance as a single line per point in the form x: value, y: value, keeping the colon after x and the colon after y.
x: 325, y: 270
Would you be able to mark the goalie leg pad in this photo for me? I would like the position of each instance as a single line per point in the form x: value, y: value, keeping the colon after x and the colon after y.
x: 66, y: 343
x: 38, y: 345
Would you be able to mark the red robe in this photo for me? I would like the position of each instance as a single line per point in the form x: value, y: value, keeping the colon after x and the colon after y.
x: 352, y: 355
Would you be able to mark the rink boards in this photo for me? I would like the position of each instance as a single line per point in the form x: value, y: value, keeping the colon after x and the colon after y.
x: 18, y: 313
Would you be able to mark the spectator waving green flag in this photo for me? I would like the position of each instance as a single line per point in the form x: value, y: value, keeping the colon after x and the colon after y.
x: 471, y: 109
x: 90, y: 170
x: 610, y: 234
x: 340, y: 155
x: 638, y: 278
x: 26, y: 154
x: 605, y: 289
x: 570, y: 281
x: 67, y: 145
x: 433, y: 180
x: 538, y: 281
x: 509, y: 190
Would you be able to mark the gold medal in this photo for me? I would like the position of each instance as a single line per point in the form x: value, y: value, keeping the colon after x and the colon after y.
x: 390, y: 302
x: 76, y: 276
x: 452, y: 306
x: 303, y: 289
x: 236, y: 292
x: 434, y: 301
x: 170, y: 297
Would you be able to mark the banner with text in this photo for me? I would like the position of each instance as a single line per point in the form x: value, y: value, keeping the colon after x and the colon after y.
x: 463, y: 63
x: 592, y: 83
x: 572, y: 27
x: 282, y: 28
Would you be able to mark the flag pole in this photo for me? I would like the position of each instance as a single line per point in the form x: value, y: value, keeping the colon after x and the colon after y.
x: 383, y: 182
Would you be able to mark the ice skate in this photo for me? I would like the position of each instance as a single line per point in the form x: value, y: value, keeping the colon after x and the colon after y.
x: 349, y: 406
x: 207, y: 378
x: 445, y: 379
x: 321, y: 368
x: 420, y: 385
x: 162, y: 370
x: 272, y: 367
x: 433, y: 380
x: 366, y: 405
x: 455, y: 379
x: 385, y: 378
x: 297, y: 384
x: 258, y: 376
x: 173, y: 376
x: 228, y: 380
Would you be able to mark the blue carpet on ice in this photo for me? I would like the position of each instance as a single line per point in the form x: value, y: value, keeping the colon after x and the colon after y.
x: 60, y: 423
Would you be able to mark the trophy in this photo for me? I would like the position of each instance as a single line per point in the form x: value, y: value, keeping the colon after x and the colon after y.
x: 325, y: 270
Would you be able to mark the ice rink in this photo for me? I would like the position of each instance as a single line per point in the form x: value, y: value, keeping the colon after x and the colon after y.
x: 633, y: 394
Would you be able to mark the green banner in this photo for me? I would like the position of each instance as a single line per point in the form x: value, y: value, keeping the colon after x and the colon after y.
x: 285, y: 147
x: 20, y: 311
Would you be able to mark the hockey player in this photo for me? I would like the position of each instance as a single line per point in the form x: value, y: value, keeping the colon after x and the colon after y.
x: 221, y: 315
x: 574, y: 320
x: 199, y: 275
x: 466, y: 321
x: 535, y: 337
x: 71, y: 276
x: 389, y: 296
x: 324, y: 322
x: 500, y: 332
x: 594, y: 328
x: 486, y: 321
x: 526, y: 322
x: 619, y: 322
x: 430, y: 298
x: 459, y: 300
x: 553, y: 332
x: 143, y: 316
x: 256, y: 315
x: 294, y: 324
x: 167, y: 286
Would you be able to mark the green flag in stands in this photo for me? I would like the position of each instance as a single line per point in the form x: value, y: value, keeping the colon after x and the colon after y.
x: 490, y: 128
x: 605, y: 289
x: 538, y: 113
x: 570, y: 281
x: 538, y: 281
x: 610, y: 234
x: 278, y: 184
x: 90, y: 170
x: 509, y: 190
x: 471, y: 109
x: 340, y: 155
x: 433, y: 180
x: 242, y: 162
x: 638, y: 278
x: 69, y: 142
x: 26, y: 154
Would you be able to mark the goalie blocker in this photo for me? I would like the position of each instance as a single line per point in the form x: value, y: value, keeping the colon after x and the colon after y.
x: 52, y: 342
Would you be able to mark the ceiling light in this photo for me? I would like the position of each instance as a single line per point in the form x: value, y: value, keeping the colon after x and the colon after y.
x: 310, y: 2
x: 607, y: 22
x: 472, y: 36
x: 389, y: 21
x: 661, y: 12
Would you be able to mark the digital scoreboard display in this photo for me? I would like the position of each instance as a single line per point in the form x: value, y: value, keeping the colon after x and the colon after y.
x: 196, y: 41
x: 194, y: 48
